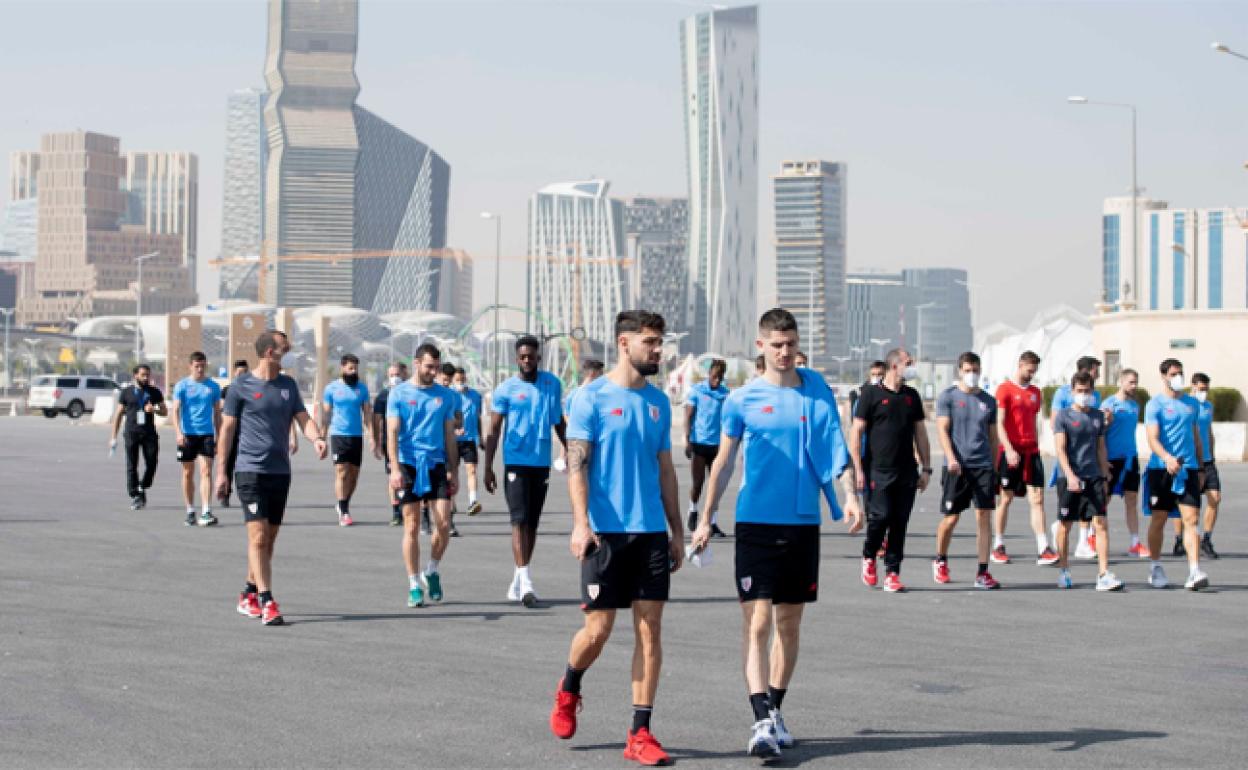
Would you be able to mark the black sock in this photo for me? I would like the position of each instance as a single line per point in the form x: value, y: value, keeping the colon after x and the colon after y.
x: 572, y: 680
x: 344, y: 506
x: 249, y: 588
x: 776, y: 695
x: 641, y: 717
x: 983, y: 568
x: 761, y: 705
x: 265, y: 597
x: 942, y: 558
x: 396, y: 509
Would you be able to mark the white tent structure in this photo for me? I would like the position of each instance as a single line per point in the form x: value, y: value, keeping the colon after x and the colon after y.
x: 1060, y: 335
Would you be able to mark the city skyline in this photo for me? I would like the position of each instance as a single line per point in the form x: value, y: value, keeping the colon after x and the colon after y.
x: 961, y: 143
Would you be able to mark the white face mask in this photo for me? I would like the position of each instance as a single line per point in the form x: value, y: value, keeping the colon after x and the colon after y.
x: 970, y: 379
x: 395, y: 380
x: 289, y: 360
x: 876, y: 380
x: 910, y: 373
x: 1200, y: 395
x: 1083, y: 399
x: 1176, y: 382
x: 459, y: 386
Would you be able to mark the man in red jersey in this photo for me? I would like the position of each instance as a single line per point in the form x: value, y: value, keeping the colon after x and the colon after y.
x: 1018, y: 463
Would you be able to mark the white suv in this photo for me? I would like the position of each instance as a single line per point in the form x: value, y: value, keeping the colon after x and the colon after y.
x: 71, y: 394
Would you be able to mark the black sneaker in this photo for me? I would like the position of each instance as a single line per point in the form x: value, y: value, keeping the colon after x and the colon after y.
x: 142, y: 500
x: 190, y: 518
x: 1179, y: 550
x: 1206, y: 547
x: 396, y: 519
x: 717, y: 532
x: 454, y: 532
x: 693, y: 520
x: 136, y: 503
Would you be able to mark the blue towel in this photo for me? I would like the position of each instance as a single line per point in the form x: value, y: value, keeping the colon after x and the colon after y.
x: 421, y: 486
x: 1177, y: 486
x: 826, y: 454
x: 1127, y: 467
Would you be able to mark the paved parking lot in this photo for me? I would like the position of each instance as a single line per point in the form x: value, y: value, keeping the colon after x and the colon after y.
x: 119, y: 644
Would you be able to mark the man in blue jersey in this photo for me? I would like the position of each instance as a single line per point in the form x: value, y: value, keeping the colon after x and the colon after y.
x: 531, y: 406
x: 346, y: 414
x: 196, y: 423
x: 470, y: 436
x: 1123, y: 415
x: 261, y: 408
x: 1212, y: 487
x: 1174, y: 472
x: 420, y: 432
x: 396, y: 375
x: 1063, y: 399
x: 790, y: 430
x: 702, y: 430
x: 591, y: 369
x: 624, y: 502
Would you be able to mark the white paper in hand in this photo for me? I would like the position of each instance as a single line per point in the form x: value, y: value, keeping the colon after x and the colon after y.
x: 698, y: 559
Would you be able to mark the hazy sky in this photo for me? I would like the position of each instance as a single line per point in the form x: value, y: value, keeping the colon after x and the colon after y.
x: 962, y: 150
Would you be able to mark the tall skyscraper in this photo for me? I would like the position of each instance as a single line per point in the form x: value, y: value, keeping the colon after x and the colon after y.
x: 658, y: 233
x: 940, y: 328
x: 162, y: 196
x: 23, y: 175
x: 242, y: 213
x: 339, y: 178
x: 719, y: 57
x: 810, y: 201
x: 86, y: 257
x: 576, y: 245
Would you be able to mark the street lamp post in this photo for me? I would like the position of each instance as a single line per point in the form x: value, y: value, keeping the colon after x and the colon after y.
x: 498, y: 250
x: 810, y: 272
x: 840, y: 371
x: 881, y: 343
x: 1135, y: 189
x: 918, y: 352
x: 1222, y: 48
x: 861, y: 352
x: 138, y: 309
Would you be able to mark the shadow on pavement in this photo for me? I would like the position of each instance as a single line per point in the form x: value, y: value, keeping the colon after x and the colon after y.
x: 413, y: 614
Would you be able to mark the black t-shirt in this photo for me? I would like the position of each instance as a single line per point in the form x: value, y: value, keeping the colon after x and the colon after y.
x: 891, y: 417
x: 379, y: 408
x: 134, y: 399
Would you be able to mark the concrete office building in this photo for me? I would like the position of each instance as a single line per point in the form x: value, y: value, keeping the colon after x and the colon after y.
x: 719, y: 79
x: 657, y: 230
x: 886, y: 306
x: 162, y: 197
x: 85, y: 265
x: 810, y: 222
x: 942, y: 319
x: 576, y: 280
x: 242, y: 212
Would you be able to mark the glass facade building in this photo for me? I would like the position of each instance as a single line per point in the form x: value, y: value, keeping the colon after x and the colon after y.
x: 658, y: 230
x: 1111, y: 258
x: 242, y: 213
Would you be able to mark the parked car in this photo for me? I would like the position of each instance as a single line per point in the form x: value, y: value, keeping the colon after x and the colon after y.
x: 70, y: 394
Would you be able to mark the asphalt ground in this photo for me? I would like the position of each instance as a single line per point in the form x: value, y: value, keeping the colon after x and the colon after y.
x: 120, y: 645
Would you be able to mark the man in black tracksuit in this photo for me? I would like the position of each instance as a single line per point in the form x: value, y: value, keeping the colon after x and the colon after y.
x: 138, y: 405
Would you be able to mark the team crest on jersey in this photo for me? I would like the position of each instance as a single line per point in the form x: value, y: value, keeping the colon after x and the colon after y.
x: 437, y: 401
x: 617, y: 412
x: 592, y: 589
x: 285, y: 395
x: 522, y: 397
x: 253, y: 507
x: 654, y: 413
x: 746, y: 582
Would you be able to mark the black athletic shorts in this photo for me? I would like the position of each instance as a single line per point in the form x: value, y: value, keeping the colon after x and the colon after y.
x: 1130, y: 479
x: 779, y: 562
x: 625, y: 567
x: 196, y: 446
x: 1212, y: 482
x: 707, y: 452
x: 439, y: 485
x: 1083, y: 505
x: 1161, y: 495
x: 467, y: 452
x: 263, y: 495
x: 525, y: 487
x: 347, y: 450
x: 1015, y: 479
x: 973, y: 486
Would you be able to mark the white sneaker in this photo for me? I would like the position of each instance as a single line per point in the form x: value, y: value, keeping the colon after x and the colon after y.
x: 1108, y: 582
x: 1084, y: 551
x: 783, y: 737
x: 513, y: 592
x: 1196, y: 580
x: 1053, y: 534
x: 763, y: 741
x: 1157, y: 577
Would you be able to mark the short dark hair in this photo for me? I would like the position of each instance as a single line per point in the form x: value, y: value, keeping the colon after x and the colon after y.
x: 633, y: 321
x: 1169, y: 364
x: 1082, y: 378
x: 760, y: 363
x: 1125, y: 372
x: 593, y: 365
x: 1200, y: 378
x: 268, y: 341
x: 448, y: 369
x: 877, y: 364
x: 528, y: 341
x: 460, y: 370
x: 140, y: 367
x: 242, y: 364
x: 968, y: 357
x: 1029, y: 357
x: 348, y: 358
x: 427, y: 349
x: 718, y: 364
x: 198, y: 355
x: 1087, y: 364
x: 777, y: 320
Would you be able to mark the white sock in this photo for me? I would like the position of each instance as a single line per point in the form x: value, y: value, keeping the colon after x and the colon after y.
x: 413, y: 581
x: 1154, y: 564
x: 1083, y: 534
x: 207, y: 510
x: 190, y: 509
x: 998, y: 541
x: 1042, y: 542
x: 523, y: 573
x: 693, y: 507
x: 432, y: 567
x: 472, y: 497
x: 1135, y: 540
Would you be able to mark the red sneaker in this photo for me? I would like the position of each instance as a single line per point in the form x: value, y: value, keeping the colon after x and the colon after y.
x: 643, y: 749
x: 249, y: 605
x: 271, y: 615
x: 883, y: 549
x: 940, y: 572
x: 999, y: 556
x: 869, y: 578
x: 1138, y: 550
x: 893, y: 584
x: 1047, y: 557
x: 1092, y: 540
x: 986, y: 582
x: 344, y: 520
x: 563, y: 715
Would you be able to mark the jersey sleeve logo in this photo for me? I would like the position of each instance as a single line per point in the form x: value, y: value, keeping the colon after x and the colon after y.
x: 767, y: 410
x: 617, y: 412
x: 257, y: 396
